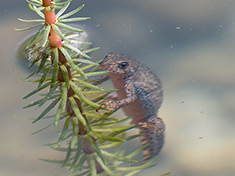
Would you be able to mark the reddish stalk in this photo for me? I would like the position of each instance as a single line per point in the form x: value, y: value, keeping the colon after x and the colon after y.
x: 50, y: 18
x: 46, y: 3
x: 56, y: 42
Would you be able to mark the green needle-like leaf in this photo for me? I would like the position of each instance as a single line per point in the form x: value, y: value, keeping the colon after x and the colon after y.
x: 39, y: 101
x: 74, y: 19
x: 63, y: 133
x: 49, y: 94
x: 109, y: 138
x: 125, y: 128
x: 77, y: 50
x: 55, y: 67
x: 70, y: 28
x: 92, y: 165
x: 93, y: 145
x: 61, y: 11
x: 31, y: 21
x: 52, y: 105
x: 133, y: 173
x: 81, y: 162
x: 42, y: 129
x: 78, y: 151
x: 67, y: 155
x: 53, y: 161
x: 72, y: 12
x: 65, y: 75
x: 119, y: 157
x: 58, y: 31
x: 36, y: 3
x: 36, y: 36
x: 28, y: 28
x: 37, y: 10
x: 42, y: 64
x: 74, y: 139
x: 68, y: 57
x: 84, y: 173
x: 111, y: 145
x: 95, y: 115
x: 60, y: 5
x: 75, y: 126
x: 43, y: 77
x: 37, y: 90
x: 61, y: 149
x: 62, y: 104
x: 77, y: 111
x: 108, y: 170
x: 73, y: 35
x: 96, y: 73
x: 136, y: 152
x: 86, y: 61
x: 88, y: 85
x: 133, y: 137
x: 78, y: 70
x: 56, y: 6
x: 139, y: 167
x: 86, y: 67
x: 98, y: 91
x: 91, y: 50
x: 111, y: 124
x: 113, y: 129
x: 166, y: 174
x: 81, y: 96
x: 45, y: 36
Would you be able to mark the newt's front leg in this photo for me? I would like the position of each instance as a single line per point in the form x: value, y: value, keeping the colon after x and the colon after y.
x: 112, y: 104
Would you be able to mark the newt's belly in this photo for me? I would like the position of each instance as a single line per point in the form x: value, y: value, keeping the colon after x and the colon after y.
x: 134, y: 109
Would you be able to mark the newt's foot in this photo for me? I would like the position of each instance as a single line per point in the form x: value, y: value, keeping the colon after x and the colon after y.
x: 109, y: 105
x: 152, y: 130
x: 155, y: 124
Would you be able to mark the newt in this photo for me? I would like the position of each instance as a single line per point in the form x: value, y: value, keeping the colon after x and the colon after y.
x: 140, y: 95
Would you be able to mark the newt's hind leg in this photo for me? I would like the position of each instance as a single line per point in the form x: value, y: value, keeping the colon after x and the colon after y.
x: 153, y: 135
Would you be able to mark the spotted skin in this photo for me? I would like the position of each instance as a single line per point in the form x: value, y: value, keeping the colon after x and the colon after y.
x: 140, y: 96
x: 152, y: 131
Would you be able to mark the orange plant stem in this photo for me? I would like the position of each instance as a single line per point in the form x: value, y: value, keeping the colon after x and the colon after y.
x: 50, y: 19
x: 56, y: 42
x: 46, y: 3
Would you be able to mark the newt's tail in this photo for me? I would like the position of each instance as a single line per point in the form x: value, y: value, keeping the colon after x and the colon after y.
x: 152, y: 131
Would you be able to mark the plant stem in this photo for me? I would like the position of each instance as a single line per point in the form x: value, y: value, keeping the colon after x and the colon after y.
x: 47, y: 3
x: 56, y: 42
x: 50, y: 18
x: 54, y: 39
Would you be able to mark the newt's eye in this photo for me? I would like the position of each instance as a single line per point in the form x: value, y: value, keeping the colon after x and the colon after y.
x: 123, y: 65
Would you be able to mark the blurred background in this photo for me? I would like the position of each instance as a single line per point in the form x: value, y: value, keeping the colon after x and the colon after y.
x: 189, y: 44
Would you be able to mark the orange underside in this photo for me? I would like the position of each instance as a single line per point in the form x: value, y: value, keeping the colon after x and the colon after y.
x: 134, y: 109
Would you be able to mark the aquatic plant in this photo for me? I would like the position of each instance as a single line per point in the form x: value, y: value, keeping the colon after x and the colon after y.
x: 68, y: 83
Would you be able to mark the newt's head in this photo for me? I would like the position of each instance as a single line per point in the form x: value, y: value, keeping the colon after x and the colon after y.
x: 119, y: 64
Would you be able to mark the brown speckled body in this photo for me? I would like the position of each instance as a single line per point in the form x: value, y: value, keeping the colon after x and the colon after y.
x: 140, y: 95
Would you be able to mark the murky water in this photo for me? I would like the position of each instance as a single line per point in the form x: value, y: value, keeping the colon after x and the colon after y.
x: 189, y: 44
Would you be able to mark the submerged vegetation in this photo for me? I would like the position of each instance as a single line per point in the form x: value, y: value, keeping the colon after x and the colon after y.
x: 68, y: 83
